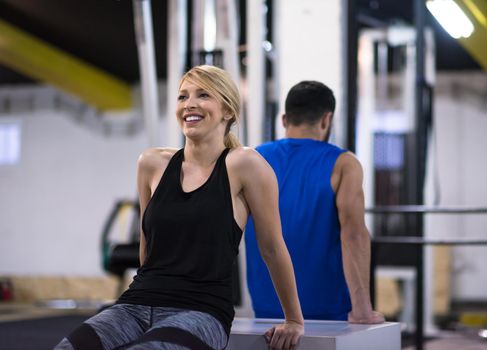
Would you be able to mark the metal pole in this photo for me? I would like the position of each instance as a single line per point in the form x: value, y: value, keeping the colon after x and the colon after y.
x: 420, y: 138
x: 177, y: 43
x: 227, y: 40
x: 255, y: 71
x: 198, y: 31
x: 351, y: 74
x: 148, y: 74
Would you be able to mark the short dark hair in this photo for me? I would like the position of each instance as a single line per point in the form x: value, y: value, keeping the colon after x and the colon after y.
x: 307, y: 101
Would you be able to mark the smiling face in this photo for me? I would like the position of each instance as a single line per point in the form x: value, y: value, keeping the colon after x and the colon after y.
x: 199, y: 113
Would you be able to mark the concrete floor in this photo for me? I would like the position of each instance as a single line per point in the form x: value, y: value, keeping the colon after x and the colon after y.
x: 454, y: 341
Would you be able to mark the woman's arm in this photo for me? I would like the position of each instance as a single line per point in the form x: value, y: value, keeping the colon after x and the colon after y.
x: 150, y: 167
x: 260, y: 189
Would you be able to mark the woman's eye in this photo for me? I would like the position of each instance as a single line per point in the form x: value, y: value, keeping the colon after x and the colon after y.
x: 204, y: 95
x: 181, y: 97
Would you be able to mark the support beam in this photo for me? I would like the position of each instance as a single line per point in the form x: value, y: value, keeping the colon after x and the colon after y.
x: 476, y: 11
x: 227, y: 40
x: 177, y: 43
x: 255, y: 72
x: 41, y: 61
x: 148, y: 74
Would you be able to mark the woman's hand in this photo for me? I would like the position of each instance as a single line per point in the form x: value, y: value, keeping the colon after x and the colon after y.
x: 284, y: 336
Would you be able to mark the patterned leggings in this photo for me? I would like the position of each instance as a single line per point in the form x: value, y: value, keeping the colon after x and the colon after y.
x: 134, y: 327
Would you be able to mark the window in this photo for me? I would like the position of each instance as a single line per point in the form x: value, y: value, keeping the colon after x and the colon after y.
x: 389, y: 151
x: 9, y: 143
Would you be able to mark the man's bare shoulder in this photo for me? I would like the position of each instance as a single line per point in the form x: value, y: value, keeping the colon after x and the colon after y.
x: 346, y: 167
x: 347, y: 161
x: 155, y: 158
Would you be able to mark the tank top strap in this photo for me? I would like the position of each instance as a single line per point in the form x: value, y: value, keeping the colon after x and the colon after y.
x: 221, y: 159
x: 176, y: 159
x: 174, y: 165
x: 220, y: 183
x: 219, y: 175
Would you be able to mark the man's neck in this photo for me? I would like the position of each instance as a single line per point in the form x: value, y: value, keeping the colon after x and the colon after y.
x: 303, y: 132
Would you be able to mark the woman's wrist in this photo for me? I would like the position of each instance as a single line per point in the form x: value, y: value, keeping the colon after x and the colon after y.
x: 296, y: 320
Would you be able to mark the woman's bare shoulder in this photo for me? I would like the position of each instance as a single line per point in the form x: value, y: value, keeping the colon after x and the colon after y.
x: 245, y: 156
x: 248, y: 163
x: 155, y: 158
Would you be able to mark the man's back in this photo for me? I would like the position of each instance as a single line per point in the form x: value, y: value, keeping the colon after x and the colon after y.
x: 310, y: 228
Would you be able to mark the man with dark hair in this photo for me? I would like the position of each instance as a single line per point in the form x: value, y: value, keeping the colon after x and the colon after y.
x: 321, y: 203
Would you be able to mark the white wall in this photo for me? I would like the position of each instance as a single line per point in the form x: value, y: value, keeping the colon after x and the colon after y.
x: 53, y: 204
x: 460, y: 118
x: 309, y: 39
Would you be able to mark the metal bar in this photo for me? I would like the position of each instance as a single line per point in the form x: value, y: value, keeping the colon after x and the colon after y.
x: 148, y: 74
x: 176, y: 62
x: 417, y: 209
x: 419, y: 333
x: 421, y: 241
x: 420, y: 161
x: 255, y: 72
x: 197, y: 41
x: 351, y: 74
x: 227, y: 39
x: 374, y: 248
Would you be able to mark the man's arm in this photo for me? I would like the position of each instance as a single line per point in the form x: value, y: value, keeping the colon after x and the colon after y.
x: 355, y: 238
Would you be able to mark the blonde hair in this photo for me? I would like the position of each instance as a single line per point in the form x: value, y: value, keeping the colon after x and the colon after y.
x: 219, y: 84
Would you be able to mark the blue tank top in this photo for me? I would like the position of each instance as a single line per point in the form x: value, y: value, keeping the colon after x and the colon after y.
x: 310, y: 228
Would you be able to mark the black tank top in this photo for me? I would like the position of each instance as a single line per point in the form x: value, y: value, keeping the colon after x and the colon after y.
x: 192, y: 242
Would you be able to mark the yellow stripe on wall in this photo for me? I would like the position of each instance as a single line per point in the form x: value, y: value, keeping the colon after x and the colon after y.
x: 41, y: 61
x: 476, y: 44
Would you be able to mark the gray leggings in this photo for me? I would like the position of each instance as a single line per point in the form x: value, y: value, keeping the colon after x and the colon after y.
x: 134, y: 327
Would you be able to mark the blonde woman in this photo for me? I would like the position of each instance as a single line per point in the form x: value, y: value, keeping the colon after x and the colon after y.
x: 194, y: 207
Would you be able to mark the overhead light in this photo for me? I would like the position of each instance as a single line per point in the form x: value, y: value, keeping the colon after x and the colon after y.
x: 451, y: 17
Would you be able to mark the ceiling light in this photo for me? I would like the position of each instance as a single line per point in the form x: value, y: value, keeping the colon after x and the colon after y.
x: 451, y: 18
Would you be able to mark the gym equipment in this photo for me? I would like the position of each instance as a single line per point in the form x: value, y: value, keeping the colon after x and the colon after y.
x: 409, y: 240
x: 123, y: 253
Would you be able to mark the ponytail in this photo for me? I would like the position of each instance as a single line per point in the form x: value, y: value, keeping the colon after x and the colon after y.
x: 231, y: 141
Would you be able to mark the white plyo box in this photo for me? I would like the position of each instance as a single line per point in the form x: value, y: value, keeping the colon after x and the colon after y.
x: 247, y: 334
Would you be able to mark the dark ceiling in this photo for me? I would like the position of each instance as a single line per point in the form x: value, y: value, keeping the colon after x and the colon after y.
x: 450, y: 55
x: 101, y: 32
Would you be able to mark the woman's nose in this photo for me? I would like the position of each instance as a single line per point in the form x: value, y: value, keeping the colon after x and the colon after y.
x: 189, y: 103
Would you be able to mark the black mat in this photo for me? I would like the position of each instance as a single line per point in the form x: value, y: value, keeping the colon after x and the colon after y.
x: 37, y: 334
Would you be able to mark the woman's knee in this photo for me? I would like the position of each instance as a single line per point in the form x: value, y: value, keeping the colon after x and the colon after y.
x: 170, y: 338
x: 84, y: 337
x: 64, y: 345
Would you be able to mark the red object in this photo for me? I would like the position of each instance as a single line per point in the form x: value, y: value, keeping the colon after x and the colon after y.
x: 5, y: 290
